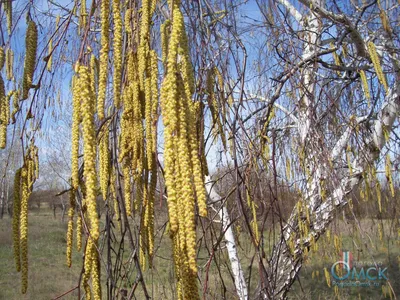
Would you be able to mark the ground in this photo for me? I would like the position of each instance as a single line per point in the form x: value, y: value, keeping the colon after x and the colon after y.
x: 49, y: 277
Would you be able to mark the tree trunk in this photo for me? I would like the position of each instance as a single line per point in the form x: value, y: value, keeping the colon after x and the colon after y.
x: 240, y: 283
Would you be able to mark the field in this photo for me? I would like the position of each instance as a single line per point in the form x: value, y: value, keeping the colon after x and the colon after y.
x: 49, y: 277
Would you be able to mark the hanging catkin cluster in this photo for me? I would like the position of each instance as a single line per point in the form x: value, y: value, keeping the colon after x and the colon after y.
x: 31, y: 41
x: 183, y: 173
x: 84, y: 111
x: 4, y: 106
x: 75, y: 133
x: 24, y: 179
x: 116, y: 6
x: 70, y: 229
x: 105, y: 40
x: 377, y: 65
x: 138, y: 153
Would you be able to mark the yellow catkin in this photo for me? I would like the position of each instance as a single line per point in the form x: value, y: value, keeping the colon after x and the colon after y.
x: 50, y: 50
x: 128, y: 21
x: 116, y: 6
x: 348, y: 158
x: 70, y: 229
x: 377, y: 65
x: 287, y: 168
x: 378, y: 195
x: 9, y: 64
x: 384, y: 19
x: 87, y: 265
x: 27, y: 180
x: 96, y: 276
x: 16, y: 219
x: 165, y: 27
x: 127, y: 189
x: 336, y: 58
x: 105, y: 48
x: 151, y: 148
x: 388, y: 172
x: 327, y: 277
x: 2, y: 58
x: 24, y: 230
x: 183, y: 172
x: 143, y: 50
x: 83, y: 15
x: 9, y: 11
x: 89, y: 156
x: 104, y: 158
x: 93, y: 73
x: 380, y: 231
x: 79, y: 233
x: 30, y: 58
x: 15, y: 106
x: 4, y: 114
x: 89, y: 149
x: 76, y: 103
x: 213, y: 105
x: 364, y: 83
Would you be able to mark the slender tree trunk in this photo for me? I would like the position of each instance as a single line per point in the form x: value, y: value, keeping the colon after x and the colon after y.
x: 240, y: 283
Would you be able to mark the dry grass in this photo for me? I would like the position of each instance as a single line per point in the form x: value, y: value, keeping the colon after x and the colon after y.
x: 49, y: 277
x: 48, y: 274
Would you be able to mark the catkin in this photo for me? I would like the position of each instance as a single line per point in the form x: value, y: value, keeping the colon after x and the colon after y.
x: 96, y: 275
x: 89, y: 148
x: 70, y: 230
x: 9, y: 11
x: 16, y: 219
x: 76, y: 99
x: 183, y: 171
x: 104, y: 157
x: 50, y: 50
x: 144, y: 39
x: 4, y: 114
x: 388, y: 173
x: 364, y: 83
x: 2, y: 58
x: 165, y: 27
x: 377, y: 65
x: 27, y: 180
x: 127, y: 189
x: 24, y: 230
x: 89, y: 156
x: 9, y: 64
x: 88, y: 268
x: 79, y: 233
x: 30, y: 58
x: 83, y: 15
x: 105, y: 40
x: 116, y: 6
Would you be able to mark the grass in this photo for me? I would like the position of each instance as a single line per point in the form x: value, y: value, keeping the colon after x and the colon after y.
x: 49, y: 276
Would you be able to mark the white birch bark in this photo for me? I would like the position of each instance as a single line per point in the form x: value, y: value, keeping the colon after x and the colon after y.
x: 240, y: 283
x: 284, y: 266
